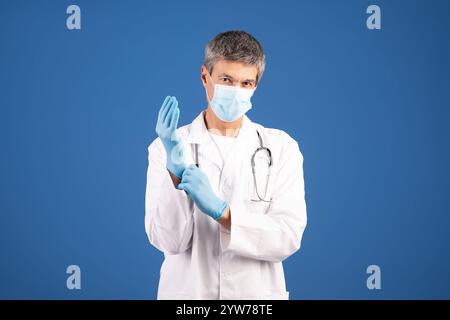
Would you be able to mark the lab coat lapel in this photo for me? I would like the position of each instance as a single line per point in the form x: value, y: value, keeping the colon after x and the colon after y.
x: 207, y: 152
x: 236, y: 159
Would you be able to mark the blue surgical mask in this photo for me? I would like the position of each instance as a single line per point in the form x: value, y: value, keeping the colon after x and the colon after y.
x: 229, y: 103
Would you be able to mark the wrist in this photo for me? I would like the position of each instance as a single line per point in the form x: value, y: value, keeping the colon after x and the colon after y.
x: 222, y: 207
x: 225, y: 220
x: 175, y: 159
x: 176, y: 171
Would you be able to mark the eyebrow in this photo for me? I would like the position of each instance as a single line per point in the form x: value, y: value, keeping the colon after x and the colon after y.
x: 228, y: 76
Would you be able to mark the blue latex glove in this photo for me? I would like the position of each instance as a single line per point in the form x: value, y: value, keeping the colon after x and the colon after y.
x: 166, y: 129
x: 197, y: 186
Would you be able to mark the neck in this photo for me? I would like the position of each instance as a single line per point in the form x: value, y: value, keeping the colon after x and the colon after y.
x: 217, y: 126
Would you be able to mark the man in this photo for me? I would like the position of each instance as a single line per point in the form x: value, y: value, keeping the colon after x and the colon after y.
x: 225, y: 198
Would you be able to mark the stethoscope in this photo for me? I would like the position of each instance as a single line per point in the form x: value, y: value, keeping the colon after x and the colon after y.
x: 252, y: 162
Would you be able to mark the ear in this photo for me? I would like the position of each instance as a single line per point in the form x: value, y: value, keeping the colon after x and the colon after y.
x: 203, y: 75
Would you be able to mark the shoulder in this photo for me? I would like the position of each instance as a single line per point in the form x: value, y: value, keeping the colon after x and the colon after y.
x: 284, y: 148
x: 277, y: 138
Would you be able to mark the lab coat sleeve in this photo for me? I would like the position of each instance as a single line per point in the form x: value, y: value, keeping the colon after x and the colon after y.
x: 277, y: 233
x: 168, y: 211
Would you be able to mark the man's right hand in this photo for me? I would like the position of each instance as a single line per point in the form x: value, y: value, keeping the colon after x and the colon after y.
x: 166, y: 129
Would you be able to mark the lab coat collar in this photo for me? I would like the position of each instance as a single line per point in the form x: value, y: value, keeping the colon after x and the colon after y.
x: 199, y: 132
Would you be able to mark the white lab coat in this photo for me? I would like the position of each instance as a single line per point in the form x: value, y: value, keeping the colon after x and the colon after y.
x: 202, y: 259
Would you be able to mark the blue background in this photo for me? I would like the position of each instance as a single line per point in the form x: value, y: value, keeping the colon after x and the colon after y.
x: 370, y: 110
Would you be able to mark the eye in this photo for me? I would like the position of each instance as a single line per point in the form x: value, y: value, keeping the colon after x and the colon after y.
x: 226, y: 80
x: 248, y: 84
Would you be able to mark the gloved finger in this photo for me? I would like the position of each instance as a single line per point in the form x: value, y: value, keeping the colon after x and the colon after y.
x: 180, y: 186
x: 195, y: 171
x: 169, y: 116
x: 191, y: 168
x: 174, y: 121
x: 171, y: 113
x: 189, y: 171
x: 163, y: 107
x: 166, y: 109
x: 186, y: 179
x: 172, y: 106
x: 186, y: 172
x: 184, y: 186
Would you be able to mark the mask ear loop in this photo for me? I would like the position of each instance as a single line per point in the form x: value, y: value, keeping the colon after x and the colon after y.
x: 207, y: 97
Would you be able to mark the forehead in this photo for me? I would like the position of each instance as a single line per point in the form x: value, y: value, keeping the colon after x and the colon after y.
x: 237, y: 70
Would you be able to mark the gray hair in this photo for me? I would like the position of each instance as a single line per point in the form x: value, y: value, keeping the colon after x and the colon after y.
x: 237, y: 46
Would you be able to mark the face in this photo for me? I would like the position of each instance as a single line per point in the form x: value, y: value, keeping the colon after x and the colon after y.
x: 230, y: 73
